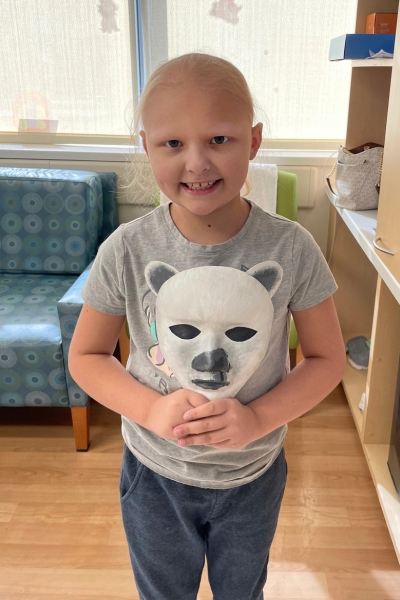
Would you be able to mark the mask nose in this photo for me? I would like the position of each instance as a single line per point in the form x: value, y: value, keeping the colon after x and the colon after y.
x: 212, y: 362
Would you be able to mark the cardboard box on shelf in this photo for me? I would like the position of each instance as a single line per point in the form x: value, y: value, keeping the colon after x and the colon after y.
x: 381, y: 23
x: 354, y: 46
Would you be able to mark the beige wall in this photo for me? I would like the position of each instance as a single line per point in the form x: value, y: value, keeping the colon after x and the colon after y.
x: 313, y: 204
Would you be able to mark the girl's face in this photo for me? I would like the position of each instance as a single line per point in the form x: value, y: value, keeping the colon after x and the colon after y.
x: 199, y: 144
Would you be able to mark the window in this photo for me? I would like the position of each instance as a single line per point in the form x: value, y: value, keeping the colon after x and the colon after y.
x: 281, y: 46
x: 74, y: 62
x: 67, y: 66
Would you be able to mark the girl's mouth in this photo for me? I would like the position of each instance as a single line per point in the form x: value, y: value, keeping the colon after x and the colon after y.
x: 202, y: 188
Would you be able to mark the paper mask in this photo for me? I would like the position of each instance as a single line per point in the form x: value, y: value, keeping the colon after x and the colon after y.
x: 214, y: 323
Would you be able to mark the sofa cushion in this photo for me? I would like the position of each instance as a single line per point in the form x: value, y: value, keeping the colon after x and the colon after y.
x: 31, y: 356
x: 50, y: 220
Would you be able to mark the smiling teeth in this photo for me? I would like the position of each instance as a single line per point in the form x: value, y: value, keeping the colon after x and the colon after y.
x: 200, y: 186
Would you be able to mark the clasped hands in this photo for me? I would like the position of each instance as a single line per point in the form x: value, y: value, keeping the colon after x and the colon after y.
x: 191, y: 419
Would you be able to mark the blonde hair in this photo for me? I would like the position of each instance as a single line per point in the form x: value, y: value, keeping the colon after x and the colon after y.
x: 213, y: 73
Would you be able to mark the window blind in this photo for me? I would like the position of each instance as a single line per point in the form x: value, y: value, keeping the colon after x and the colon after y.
x: 281, y: 46
x: 67, y: 62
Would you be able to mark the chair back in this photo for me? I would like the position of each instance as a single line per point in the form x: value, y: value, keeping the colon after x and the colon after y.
x: 286, y: 199
x: 50, y: 220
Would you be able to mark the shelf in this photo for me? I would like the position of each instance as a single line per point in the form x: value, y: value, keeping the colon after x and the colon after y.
x: 362, y: 225
x: 377, y: 455
x: 354, y: 385
x: 378, y: 62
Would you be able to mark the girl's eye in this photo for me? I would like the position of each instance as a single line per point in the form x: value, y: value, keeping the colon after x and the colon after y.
x: 219, y: 139
x: 172, y: 143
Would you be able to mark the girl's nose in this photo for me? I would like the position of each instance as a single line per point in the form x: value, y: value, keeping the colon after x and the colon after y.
x: 197, y: 161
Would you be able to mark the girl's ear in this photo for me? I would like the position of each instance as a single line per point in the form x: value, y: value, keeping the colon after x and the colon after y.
x: 256, y: 139
x: 142, y: 134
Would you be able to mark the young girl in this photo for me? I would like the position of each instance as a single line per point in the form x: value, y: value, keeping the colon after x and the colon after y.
x: 207, y: 284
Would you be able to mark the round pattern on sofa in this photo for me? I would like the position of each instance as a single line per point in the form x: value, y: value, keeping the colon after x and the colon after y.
x: 54, y: 225
x: 60, y: 399
x: 9, y: 380
x: 54, y: 263
x: 75, y: 225
x: 35, y: 380
x: 57, y: 379
x: 37, y: 399
x: 53, y: 186
x: 27, y: 311
x: 75, y: 187
x: 70, y: 211
x: 43, y: 289
x: 31, y: 185
x: 8, y: 358
x: 11, y: 223
x: 34, y: 299
x: 75, y: 204
x: 10, y: 201
x: 32, y: 203
x: 68, y: 324
x: 77, y: 395
x: 12, y: 299
x: 32, y: 368
x: 33, y: 244
x: 11, y: 243
x: 32, y: 358
x: 12, y: 399
x: 11, y: 262
x: 33, y: 224
x: 17, y: 320
x: 74, y: 265
x: 75, y: 246
x: 54, y: 245
x: 54, y: 203
x: 33, y: 263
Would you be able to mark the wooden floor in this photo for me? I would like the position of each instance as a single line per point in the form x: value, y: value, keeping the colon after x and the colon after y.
x: 61, y: 536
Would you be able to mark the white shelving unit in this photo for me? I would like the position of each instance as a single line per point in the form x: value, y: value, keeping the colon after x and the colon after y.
x: 368, y: 298
x: 362, y: 225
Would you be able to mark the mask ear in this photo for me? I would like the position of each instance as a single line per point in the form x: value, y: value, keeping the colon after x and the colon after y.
x: 157, y: 273
x: 269, y: 274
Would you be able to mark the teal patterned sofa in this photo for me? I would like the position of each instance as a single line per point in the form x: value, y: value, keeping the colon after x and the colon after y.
x: 51, y: 225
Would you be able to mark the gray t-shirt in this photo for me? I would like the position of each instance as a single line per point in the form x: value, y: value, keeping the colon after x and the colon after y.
x: 222, y: 323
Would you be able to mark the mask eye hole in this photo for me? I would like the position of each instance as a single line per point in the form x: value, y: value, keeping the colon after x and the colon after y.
x: 185, y: 332
x: 240, y: 334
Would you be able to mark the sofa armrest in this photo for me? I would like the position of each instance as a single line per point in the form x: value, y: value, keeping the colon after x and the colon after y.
x: 69, y: 308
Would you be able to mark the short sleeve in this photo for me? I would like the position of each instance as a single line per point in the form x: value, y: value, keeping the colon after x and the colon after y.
x: 104, y: 289
x: 312, y: 280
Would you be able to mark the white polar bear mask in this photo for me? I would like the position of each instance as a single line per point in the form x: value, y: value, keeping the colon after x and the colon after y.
x: 214, y: 323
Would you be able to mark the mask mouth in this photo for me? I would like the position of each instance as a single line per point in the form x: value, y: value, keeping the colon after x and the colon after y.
x: 217, y: 381
x: 209, y: 385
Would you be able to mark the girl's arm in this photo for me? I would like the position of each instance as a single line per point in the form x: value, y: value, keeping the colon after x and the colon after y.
x: 313, y: 378
x: 94, y: 368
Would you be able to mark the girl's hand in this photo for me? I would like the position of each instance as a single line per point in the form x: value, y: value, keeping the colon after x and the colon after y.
x: 224, y: 423
x: 167, y: 411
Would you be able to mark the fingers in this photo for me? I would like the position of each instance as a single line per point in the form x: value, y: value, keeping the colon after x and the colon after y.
x: 216, y: 407
x: 205, y: 439
x: 199, y: 426
x: 196, y: 399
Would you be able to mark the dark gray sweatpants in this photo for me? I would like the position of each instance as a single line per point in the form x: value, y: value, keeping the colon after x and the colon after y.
x: 171, y: 527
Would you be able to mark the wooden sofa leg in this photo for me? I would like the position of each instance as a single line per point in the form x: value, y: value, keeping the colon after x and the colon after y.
x: 81, y: 425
